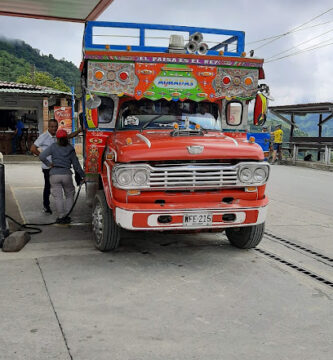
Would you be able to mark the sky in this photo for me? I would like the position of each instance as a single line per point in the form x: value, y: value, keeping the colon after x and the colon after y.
x: 303, y: 78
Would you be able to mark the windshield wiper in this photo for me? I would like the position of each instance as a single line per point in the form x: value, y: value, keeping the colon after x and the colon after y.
x: 150, y: 121
x: 158, y: 116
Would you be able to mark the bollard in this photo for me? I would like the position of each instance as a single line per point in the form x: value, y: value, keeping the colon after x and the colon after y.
x: 4, y: 232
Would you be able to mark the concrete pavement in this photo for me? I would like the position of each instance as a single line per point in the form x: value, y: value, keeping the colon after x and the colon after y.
x: 167, y: 296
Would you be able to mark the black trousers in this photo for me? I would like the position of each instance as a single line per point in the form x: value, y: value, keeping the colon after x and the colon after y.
x: 47, y: 188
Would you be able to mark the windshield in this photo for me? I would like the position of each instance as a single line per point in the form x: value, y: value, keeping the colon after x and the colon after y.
x: 147, y: 114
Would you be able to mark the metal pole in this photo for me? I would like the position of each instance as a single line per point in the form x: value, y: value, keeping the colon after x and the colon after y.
x: 319, y: 134
x: 4, y: 232
x: 295, y: 153
x: 73, y: 113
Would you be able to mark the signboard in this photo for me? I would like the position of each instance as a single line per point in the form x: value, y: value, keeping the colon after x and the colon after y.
x: 156, y: 81
x: 63, y: 114
x: 175, y: 82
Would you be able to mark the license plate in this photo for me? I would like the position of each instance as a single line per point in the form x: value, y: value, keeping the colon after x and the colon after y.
x: 197, y: 219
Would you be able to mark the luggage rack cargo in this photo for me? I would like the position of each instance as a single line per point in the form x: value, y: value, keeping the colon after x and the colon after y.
x: 135, y: 37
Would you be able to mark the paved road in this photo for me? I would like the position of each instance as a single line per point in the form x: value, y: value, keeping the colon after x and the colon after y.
x: 166, y: 296
x: 301, y: 205
x: 306, y: 188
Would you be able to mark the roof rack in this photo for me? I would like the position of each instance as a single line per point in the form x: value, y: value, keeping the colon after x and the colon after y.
x: 139, y: 33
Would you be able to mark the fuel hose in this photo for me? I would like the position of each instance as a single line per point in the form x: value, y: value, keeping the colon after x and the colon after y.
x: 33, y: 228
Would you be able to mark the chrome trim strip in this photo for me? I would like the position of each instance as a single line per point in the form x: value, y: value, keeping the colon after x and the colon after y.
x: 176, y: 211
x: 230, y: 138
x: 115, y: 154
x: 190, y: 176
x: 109, y: 176
x: 124, y: 218
x: 146, y: 140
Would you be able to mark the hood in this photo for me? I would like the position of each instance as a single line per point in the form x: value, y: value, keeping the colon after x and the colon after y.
x: 160, y: 146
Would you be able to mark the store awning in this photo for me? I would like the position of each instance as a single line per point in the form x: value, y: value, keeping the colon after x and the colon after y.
x: 303, y: 109
x: 11, y: 88
x: 62, y: 10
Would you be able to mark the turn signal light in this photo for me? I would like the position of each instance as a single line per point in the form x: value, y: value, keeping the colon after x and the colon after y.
x: 206, y: 73
x: 99, y: 75
x: 133, y: 192
x: 197, y: 126
x: 251, y: 189
x: 123, y: 76
x: 252, y: 139
x: 248, y: 81
x: 129, y: 141
x: 146, y: 72
x: 226, y: 80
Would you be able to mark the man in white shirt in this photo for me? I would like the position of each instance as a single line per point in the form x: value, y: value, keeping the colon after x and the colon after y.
x: 43, y: 142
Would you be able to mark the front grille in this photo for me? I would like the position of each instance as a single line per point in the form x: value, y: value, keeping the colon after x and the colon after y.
x: 192, y: 176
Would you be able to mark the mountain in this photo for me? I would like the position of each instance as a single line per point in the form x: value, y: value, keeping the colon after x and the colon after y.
x: 309, y: 124
x: 12, y: 67
x: 17, y: 58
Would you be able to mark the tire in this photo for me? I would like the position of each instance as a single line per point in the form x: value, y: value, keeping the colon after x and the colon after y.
x: 246, y: 237
x: 106, y: 233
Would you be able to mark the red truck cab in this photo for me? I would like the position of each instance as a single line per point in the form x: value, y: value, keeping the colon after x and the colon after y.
x: 165, y: 136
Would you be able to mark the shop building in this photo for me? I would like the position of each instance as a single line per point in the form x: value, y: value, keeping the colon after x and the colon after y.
x: 33, y: 105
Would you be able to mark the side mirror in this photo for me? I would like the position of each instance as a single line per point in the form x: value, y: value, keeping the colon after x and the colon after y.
x: 93, y: 102
x: 260, y: 109
x: 91, y: 114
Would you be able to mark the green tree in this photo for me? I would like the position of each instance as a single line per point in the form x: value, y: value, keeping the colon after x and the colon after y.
x: 63, y: 69
x: 43, y: 79
x: 11, y: 67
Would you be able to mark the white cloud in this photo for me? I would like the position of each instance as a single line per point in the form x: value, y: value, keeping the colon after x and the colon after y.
x: 302, y: 78
x: 61, y: 39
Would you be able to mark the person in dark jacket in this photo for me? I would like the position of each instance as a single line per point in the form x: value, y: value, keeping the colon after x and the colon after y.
x: 63, y: 157
x: 42, y: 143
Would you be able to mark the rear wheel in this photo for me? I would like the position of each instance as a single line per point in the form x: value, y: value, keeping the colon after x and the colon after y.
x: 106, y: 233
x: 246, y: 237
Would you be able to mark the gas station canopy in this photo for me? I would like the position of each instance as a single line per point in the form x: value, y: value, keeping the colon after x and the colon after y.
x: 62, y: 10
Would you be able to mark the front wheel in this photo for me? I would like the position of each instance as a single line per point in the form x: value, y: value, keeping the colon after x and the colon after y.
x: 106, y: 233
x: 246, y: 237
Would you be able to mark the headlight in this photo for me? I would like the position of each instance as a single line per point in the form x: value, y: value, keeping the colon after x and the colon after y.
x: 259, y: 175
x: 253, y: 173
x: 141, y: 177
x: 245, y: 175
x: 124, y: 177
x: 130, y: 177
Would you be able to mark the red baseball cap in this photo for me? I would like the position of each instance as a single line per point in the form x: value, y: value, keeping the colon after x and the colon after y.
x: 61, y: 134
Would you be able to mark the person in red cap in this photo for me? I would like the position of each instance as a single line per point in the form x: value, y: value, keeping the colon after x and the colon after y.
x: 63, y: 157
x: 43, y: 142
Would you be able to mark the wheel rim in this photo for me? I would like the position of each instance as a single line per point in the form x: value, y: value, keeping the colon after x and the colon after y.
x: 98, y: 222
